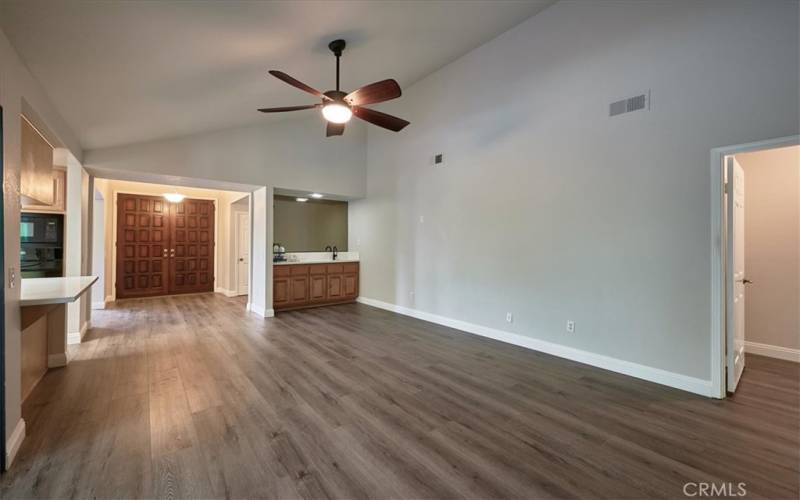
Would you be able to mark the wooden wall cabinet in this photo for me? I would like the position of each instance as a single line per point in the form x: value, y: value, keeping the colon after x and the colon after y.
x: 36, y: 172
x: 296, y: 286
x: 59, y: 187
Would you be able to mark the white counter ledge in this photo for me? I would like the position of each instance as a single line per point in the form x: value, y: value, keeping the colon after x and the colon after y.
x: 39, y: 291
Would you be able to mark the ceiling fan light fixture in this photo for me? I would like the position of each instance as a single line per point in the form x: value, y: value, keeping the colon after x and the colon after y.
x: 174, y: 197
x: 337, y: 112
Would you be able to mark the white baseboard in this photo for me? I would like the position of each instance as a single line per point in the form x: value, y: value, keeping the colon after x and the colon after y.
x: 77, y: 337
x: 14, y: 442
x: 57, y: 360
x: 264, y: 313
x: 226, y: 292
x: 99, y: 305
x: 657, y: 375
x: 773, y: 351
x: 109, y: 299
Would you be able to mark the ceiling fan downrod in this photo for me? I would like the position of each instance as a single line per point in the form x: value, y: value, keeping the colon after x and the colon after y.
x: 337, y: 46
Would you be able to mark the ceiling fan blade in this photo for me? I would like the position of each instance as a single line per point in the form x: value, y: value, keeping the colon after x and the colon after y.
x: 280, y: 75
x: 289, y: 108
x: 334, y: 129
x: 390, y: 122
x: 374, y: 93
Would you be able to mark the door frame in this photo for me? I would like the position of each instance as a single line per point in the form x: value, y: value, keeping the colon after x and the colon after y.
x: 3, y: 408
x: 237, y: 229
x: 719, y: 278
x: 115, y: 209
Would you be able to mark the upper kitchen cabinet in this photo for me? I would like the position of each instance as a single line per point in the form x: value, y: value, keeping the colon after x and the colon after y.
x: 36, y: 175
x: 59, y: 189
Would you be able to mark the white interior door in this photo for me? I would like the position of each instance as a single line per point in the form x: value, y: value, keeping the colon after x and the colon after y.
x: 243, y: 252
x: 736, y: 278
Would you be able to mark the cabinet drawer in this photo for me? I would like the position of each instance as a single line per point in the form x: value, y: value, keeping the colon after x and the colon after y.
x: 350, y: 267
x: 335, y: 269
x: 281, y: 271
x: 300, y: 270
x: 316, y: 269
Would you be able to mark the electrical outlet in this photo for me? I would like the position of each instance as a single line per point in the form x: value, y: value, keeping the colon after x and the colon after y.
x: 570, y: 326
x: 422, y: 219
x: 509, y: 317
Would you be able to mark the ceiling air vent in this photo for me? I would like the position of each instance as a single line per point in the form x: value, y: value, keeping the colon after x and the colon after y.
x: 635, y: 103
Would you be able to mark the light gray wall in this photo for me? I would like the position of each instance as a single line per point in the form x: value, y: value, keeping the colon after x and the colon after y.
x: 293, y: 154
x: 19, y: 93
x: 310, y: 226
x: 772, y: 246
x: 550, y: 209
x: 98, y: 290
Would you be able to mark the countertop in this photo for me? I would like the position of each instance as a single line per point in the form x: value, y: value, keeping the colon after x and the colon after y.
x: 38, y: 291
x: 315, y: 261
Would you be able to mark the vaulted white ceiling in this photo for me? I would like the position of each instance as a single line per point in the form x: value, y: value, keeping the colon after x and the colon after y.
x: 126, y: 72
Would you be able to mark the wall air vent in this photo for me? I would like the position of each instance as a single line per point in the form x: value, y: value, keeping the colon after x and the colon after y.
x: 635, y: 103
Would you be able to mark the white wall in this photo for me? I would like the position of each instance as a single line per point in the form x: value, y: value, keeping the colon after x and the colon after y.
x: 98, y: 292
x: 772, y: 246
x: 291, y: 154
x: 19, y: 92
x: 550, y: 209
x: 260, y: 299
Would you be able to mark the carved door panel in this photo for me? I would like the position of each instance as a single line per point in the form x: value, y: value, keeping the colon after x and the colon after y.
x: 192, y: 246
x: 164, y: 247
x: 142, y: 246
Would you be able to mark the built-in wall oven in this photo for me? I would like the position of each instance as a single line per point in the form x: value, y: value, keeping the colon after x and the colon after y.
x: 41, y: 245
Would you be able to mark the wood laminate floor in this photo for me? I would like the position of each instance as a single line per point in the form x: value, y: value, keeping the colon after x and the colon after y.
x: 190, y: 396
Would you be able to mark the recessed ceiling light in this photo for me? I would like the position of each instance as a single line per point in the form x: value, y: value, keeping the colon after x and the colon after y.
x: 174, y: 197
x: 316, y: 195
x: 301, y: 200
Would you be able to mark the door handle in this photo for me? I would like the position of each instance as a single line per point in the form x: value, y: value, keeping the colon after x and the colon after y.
x: 172, y: 252
x: 746, y: 281
x: 165, y: 252
x: 241, y: 259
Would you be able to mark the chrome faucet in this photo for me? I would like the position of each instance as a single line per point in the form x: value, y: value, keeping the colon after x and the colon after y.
x: 335, y: 252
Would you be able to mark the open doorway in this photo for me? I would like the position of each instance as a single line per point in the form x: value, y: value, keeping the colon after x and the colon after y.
x: 160, y: 239
x: 758, y: 260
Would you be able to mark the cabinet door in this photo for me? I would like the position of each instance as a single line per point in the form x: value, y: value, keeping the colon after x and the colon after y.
x: 280, y: 292
x: 316, y: 291
x: 36, y: 171
x: 59, y: 196
x: 335, y: 288
x: 298, y: 290
x: 350, y: 285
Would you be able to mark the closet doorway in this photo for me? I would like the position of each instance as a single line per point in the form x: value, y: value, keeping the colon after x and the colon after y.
x: 163, y: 247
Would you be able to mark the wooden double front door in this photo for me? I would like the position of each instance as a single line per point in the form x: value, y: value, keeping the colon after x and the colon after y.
x: 162, y: 247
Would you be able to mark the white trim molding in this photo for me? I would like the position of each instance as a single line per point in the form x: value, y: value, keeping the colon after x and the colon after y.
x: 14, y: 442
x: 264, y: 313
x: 77, y: 337
x: 228, y: 293
x: 57, y: 360
x: 657, y: 375
x: 772, y: 351
x: 99, y: 305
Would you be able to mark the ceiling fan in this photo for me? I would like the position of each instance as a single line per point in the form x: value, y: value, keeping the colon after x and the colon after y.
x: 338, y: 107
